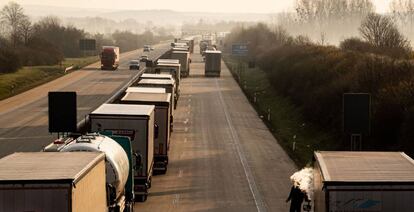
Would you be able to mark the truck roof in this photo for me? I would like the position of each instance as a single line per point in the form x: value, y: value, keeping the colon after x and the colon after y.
x: 213, y: 52
x: 180, y: 52
x: 365, y: 166
x: 159, y: 76
x: 169, y: 61
x: 147, y: 97
x: 156, y: 81
x: 124, y: 110
x: 146, y: 90
x: 47, y: 166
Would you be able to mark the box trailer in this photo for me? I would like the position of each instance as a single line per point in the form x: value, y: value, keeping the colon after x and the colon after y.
x: 137, y: 123
x: 53, y: 181
x: 163, y: 119
x: 169, y: 86
x: 212, y: 63
x: 169, y: 68
x: 363, y: 181
x: 184, y: 58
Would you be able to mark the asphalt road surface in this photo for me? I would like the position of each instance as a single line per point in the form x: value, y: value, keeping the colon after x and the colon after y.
x: 222, y: 156
x: 24, y: 118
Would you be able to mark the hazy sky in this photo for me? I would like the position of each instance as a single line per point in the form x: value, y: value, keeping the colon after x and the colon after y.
x: 256, y: 6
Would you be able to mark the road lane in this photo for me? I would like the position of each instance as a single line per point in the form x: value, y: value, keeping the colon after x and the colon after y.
x: 222, y: 156
x: 24, y: 122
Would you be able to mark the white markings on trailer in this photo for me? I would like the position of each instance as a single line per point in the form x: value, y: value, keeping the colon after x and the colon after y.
x: 260, y: 205
x: 186, y: 121
x: 180, y: 173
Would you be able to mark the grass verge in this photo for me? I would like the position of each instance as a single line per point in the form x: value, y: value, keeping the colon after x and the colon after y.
x: 299, y: 138
x: 27, y: 78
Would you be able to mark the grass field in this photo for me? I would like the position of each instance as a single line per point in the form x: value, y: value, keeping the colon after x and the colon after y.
x: 30, y: 77
x: 296, y: 136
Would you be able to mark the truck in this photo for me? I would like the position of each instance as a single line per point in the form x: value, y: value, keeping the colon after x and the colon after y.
x: 173, y: 69
x: 118, y: 165
x: 163, y: 119
x: 184, y: 58
x: 363, y: 181
x: 109, y: 57
x: 137, y: 122
x: 212, y: 63
x: 169, y: 86
x: 54, y: 181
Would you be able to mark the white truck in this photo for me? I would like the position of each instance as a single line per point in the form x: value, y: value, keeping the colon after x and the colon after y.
x: 53, y: 181
x: 212, y: 63
x: 163, y: 108
x: 184, y: 58
x: 170, y: 68
x: 363, y: 182
x: 169, y: 86
x: 136, y: 122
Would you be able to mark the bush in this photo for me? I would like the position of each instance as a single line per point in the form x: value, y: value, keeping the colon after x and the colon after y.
x: 9, y: 60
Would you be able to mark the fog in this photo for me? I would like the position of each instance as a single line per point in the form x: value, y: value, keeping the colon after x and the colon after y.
x: 229, y: 6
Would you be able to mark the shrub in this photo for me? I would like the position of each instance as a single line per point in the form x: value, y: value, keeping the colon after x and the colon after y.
x: 9, y: 60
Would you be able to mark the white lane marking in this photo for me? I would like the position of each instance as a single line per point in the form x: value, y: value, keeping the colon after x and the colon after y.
x: 176, y: 199
x: 260, y: 205
x: 180, y: 173
x: 186, y: 121
x: 185, y: 140
x: 186, y: 129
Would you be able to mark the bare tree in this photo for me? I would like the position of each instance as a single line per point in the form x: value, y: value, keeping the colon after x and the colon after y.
x: 25, y: 30
x: 381, y: 31
x: 403, y: 11
x: 12, y: 16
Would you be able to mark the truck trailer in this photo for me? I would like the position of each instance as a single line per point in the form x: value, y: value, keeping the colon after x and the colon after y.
x: 137, y: 123
x: 163, y: 119
x: 363, y: 182
x: 52, y: 181
x: 109, y: 57
x: 212, y: 63
x: 145, y: 90
x: 118, y: 165
x: 184, y: 58
x: 169, y: 86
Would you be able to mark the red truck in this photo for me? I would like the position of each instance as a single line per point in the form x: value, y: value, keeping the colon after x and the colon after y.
x: 109, y: 58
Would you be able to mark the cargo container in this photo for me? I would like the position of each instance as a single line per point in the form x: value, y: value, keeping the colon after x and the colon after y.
x: 168, y: 61
x: 212, y: 63
x: 52, y: 181
x: 137, y: 123
x: 184, y: 58
x: 163, y: 109
x: 109, y: 57
x: 169, y: 86
x: 363, y: 181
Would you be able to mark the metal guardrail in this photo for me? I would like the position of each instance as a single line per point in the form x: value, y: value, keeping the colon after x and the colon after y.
x: 82, y: 126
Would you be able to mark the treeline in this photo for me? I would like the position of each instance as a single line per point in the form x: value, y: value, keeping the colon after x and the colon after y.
x: 48, y: 42
x: 330, y: 21
x: 314, y: 77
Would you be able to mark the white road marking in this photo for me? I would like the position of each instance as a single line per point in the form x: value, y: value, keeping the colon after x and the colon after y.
x: 176, y: 199
x: 186, y: 121
x: 185, y: 140
x: 180, y: 173
x: 186, y: 129
x: 260, y: 205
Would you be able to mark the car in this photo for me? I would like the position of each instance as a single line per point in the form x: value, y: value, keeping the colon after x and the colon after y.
x: 143, y: 58
x: 134, y: 65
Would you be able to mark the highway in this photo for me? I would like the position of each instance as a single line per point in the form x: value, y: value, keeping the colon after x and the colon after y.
x: 24, y: 117
x: 222, y: 156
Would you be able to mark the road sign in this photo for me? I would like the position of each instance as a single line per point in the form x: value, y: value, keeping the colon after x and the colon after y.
x: 239, y: 49
x: 87, y: 44
x: 62, y: 112
x: 357, y: 113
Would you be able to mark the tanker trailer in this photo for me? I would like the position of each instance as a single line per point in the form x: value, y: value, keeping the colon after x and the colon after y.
x: 118, y: 154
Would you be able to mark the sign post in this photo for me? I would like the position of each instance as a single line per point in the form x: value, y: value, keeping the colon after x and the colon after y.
x: 239, y: 50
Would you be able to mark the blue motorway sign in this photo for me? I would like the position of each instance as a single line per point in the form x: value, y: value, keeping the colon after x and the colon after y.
x: 239, y: 50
